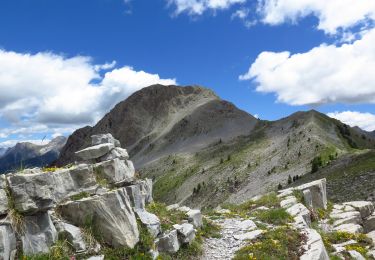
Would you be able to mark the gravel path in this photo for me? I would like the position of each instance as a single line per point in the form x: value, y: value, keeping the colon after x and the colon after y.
x: 233, y: 232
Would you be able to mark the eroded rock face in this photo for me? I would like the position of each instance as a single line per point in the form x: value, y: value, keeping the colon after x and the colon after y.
x: 39, y: 192
x: 8, y: 241
x: 115, y: 172
x: 110, y: 215
x: 39, y: 234
x: 116, y: 152
x: 140, y: 193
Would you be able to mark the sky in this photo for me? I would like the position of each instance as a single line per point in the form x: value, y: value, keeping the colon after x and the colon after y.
x: 64, y: 64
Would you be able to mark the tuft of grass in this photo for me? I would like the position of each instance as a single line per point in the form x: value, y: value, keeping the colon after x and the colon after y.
x: 210, y: 229
x: 61, y: 250
x: 167, y: 217
x: 100, y: 177
x: 281, y: 243
x: 80, y: 195
x: 50, y: 169
x: 277, y: 216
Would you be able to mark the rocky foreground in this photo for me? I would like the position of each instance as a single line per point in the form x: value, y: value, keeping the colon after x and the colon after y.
x: 90, y: 210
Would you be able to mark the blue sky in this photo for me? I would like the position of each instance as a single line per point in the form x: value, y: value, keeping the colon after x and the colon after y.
x: 65, y: 63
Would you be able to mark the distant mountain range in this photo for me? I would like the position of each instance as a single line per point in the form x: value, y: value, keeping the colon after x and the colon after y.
x: 202, y: 150
x: 26, y: 155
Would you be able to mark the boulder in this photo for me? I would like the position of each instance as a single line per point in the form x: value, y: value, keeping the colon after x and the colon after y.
x: 314, y: 247
x: 151, y: 221
x: 247, y: 225
x: 249, y: 235
x: 369, y: 223
x: 115, y: 172
x: 110, y: 215
x: 96, y: 257
x: 350, y: 228
x: 366, y: 208
x: 8, y: 242
x: 73, y: 235
x: 168, y: 242
x: 104, y: 139
x: 300, y: 210
x: 94, y: 152
x: 195, y: 217
x: 185, y: 232
x: 38, y: 192
x: 140, y: 193
x: 371, y: 235
x: 318, y: 193
x: 288, y: 202
x: 115, y: 153
x: 39, y: 234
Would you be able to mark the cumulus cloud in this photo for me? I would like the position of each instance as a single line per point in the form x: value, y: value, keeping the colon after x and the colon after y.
x: 333, y: 15
x: 198, y: 7
x: 45, y: 91
x: 325, y: 74
x: 365, y: 121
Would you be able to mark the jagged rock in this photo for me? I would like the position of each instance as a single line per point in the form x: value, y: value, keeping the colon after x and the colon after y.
x: 140, y: 193
x: 94, y: 152
x: 168, y: 242
x: 350, y: 228
x: 318, y: 192
x: 114, y: 171
x: 249, y: 235
x: 115, y: 153
x: 39, y: 192
x: 355, y: 255
x: 39, y: 234
x: 288, y: 202
x: 73, y: 235
x: 369, y: 223
x: 104, y: 139
x: 195, y: 217
x: 366, y: 208
x: 314, y: 247
x: 300, y: 210
x: 151, y: 221
x: 307, y: 197
x: 110, y: 215
x: 8, y: 242
x: 186, y: 232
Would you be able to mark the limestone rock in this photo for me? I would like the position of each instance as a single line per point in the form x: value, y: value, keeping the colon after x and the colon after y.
x: 195, y: 217
x: 73, y: 235
x: 3, y: 196
x: 33, y: 193
x: 247, y: 225
x: 8, y: 243
x: 350, y: 228
x: 371, y: 235
x: 288, y: 202
x: 315, y: 249
x: 318, y: 193
x: 104, y: 139
x: 249, y: 235
x: 307, y: 197
x: 39, y: 234
x: 173, y: 207
x: 96, y: 257
x: 94, y: 152
x: 355, y: 255
x: 369, y: 223
x: 168, y: 242
x: 140, y: 193
x: 366, y: 208
x: 115, y: 153
x: 151, y: 221
x: 114, y: 171
x: 300, y: 210
x: 186, y: 232
x: 109, y: 214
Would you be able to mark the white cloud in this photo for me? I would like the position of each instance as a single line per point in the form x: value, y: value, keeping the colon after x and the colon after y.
x: 332, y: 14
x: 198, y: 7
x: 325, y: 74
x: 49, y: 92
x: 11, y: 143
x: 365, y: 121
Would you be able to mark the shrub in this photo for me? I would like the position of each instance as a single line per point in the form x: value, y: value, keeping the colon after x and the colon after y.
x: 276, y: 216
